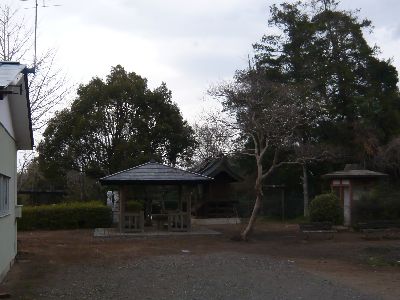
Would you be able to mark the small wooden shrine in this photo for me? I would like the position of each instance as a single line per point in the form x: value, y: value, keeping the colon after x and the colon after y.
x: 350, y: 184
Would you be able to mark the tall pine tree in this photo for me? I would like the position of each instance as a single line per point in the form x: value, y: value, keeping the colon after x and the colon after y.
x: 321, y: 44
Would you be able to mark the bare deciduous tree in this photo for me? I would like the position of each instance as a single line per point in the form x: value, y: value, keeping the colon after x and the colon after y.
x: 212, y: 136
x: 271, y: 114
x: 14, y: 36
x: 48, y: 86
x: 388, y: 158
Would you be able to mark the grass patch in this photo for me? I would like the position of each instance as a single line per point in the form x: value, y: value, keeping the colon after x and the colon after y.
x: 379, y: 261
x: 382, y: 256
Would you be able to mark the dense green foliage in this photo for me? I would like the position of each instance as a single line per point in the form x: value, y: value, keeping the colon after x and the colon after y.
x: 65, y: 216
x: 113, y: 125
x: 382, y: 203
x: 320, y: 44
x: 326, y: 208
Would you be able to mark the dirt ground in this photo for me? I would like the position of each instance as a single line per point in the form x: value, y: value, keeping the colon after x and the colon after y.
x: 369, y: 266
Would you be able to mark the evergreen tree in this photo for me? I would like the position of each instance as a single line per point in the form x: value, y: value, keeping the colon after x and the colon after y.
x: 114, y: 125
x: 320, y: 44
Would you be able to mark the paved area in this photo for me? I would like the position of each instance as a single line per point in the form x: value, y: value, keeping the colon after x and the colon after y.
x: 276, y: 264
x: 222, y: 276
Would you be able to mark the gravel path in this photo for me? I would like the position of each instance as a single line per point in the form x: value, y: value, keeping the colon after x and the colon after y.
x: 187, y: 276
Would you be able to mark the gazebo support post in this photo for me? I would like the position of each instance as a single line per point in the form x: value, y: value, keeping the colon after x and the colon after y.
x: 122, y: 203
x: 189, y: 210
x: 180, y: 198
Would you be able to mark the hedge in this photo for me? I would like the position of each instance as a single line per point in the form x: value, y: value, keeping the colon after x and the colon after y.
x: 71, y: 215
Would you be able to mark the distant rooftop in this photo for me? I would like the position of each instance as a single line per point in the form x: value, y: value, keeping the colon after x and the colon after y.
x: 153, y: 173
x: 217, y: 166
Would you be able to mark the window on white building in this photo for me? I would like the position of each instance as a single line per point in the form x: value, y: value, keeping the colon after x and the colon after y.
x: 4, y: 199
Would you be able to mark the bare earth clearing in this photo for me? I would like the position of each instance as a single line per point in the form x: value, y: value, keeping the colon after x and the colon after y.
x: 276, y: 264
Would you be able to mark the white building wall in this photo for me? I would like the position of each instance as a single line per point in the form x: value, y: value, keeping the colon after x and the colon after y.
x: 8, y: 225
x: 5, y: 116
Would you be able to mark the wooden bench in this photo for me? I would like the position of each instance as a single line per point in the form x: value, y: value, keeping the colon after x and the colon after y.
x: 384, y: 228
x: 317, y: 228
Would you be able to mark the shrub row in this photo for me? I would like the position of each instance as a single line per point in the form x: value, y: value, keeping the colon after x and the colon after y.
x: 72, y: 215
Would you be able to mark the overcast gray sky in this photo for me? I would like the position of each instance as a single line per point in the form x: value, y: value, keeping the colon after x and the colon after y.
x: 187, y: 44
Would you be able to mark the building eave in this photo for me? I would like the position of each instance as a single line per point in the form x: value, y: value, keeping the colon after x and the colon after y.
x: 14, y: 84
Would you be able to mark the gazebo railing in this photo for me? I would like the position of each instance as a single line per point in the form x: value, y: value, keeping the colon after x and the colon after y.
x: 179, y: 221
x: 133, y: 222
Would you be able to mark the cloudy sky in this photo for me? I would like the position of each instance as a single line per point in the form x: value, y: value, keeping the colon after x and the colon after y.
x: 187, y: 44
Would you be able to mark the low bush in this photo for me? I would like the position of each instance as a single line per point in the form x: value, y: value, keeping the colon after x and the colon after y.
x: 326, y: 208
x: 71, y: 215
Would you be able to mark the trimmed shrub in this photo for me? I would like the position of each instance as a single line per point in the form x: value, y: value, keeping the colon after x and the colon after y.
x: 71, y: 215
x: 326, y: 208
x: 134, y: 206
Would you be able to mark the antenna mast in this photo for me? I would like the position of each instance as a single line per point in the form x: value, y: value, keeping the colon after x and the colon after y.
x: 34, y: 58
x: 36, y: 25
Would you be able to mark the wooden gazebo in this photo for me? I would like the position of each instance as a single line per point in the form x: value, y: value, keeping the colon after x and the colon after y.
x: 153, y: 174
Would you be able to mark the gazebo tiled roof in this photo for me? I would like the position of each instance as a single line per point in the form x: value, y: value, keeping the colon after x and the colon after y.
x: 154, y: 173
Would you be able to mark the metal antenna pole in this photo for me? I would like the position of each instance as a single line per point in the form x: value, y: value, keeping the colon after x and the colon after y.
x: 36, y: 13
x: 36, y: 26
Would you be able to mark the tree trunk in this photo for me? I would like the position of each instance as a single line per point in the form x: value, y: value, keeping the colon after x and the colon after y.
x: 245, y: 233
x: 259, y: 195
x: 305, y: 190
